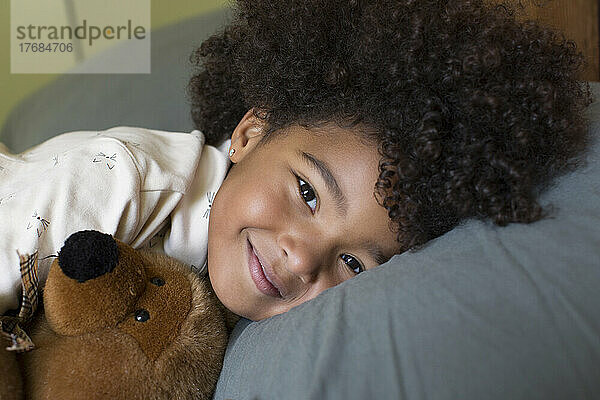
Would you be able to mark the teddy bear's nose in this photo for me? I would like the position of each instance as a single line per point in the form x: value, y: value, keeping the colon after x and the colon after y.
x: 88, y: 255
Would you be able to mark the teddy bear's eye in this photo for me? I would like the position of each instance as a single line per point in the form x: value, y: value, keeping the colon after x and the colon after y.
x: 157, y: 281
x: 142, y: 315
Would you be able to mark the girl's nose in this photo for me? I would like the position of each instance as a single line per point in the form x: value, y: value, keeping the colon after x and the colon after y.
x: 306, y: 257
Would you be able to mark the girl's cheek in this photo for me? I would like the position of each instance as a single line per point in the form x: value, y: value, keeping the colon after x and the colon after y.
x: 268, y: 201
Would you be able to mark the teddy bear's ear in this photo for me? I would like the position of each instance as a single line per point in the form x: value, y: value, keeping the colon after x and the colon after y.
x: 94, y: 284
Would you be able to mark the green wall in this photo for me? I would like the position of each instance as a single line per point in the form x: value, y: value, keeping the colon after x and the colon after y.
x: 15, y: 87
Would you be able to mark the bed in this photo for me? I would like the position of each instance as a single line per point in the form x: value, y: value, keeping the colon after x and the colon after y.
x: 479, y: 313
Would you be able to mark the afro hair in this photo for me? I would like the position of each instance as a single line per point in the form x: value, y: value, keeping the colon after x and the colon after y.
x: 474, y: 109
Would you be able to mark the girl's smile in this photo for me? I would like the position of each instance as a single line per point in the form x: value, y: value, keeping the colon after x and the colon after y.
x: 295, y: 215
x: 262, y: 274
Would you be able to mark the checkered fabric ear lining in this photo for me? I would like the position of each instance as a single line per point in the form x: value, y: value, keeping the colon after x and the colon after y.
x: 9, y: 325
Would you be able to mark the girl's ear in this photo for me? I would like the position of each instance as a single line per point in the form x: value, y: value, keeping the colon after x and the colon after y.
x: 246, y: 136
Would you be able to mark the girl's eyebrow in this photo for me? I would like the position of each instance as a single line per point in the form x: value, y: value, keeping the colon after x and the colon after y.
x: 330, y: 182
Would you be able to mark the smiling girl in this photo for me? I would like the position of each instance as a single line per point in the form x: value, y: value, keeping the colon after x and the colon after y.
x: 359, y: 129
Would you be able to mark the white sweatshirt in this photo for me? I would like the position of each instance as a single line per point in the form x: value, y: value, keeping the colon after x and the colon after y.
x: 145, y: 187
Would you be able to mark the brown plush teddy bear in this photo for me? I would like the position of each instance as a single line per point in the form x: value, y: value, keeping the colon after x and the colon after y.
x: 119, y: 323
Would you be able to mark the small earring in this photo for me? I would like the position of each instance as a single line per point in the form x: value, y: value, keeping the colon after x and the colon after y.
x: 231, y: 152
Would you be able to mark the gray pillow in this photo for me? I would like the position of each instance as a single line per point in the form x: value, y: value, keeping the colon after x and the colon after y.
x: 482, y: 312
x: 100, y: 101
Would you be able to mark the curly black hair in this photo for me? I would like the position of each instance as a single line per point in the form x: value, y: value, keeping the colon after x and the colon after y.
x: 474, y: 109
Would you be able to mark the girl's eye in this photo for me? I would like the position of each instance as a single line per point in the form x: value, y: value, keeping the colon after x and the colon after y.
x: 352, y: 263
x: 308, y: 194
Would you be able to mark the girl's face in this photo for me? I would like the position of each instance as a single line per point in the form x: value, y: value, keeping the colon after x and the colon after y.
x: 294, y: 216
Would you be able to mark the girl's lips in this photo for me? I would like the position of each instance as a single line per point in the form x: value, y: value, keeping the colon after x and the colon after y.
x: 257, y: 272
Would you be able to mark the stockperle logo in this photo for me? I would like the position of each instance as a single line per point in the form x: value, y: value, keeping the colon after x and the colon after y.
x: 80, y: 36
